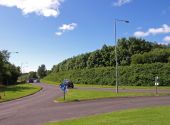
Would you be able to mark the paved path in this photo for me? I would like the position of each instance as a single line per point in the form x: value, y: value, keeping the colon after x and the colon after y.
x: 40, y: 107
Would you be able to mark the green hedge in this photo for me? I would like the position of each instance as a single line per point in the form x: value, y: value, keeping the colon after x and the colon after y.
x: 134, y: 75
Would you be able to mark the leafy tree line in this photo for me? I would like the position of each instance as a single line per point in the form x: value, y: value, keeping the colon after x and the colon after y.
x: 133, y: 75
x: 105, y: 56
x: 8, y: 72
x: 157, y: 55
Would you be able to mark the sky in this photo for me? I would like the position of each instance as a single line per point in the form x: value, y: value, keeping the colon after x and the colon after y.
x: 50, y: 31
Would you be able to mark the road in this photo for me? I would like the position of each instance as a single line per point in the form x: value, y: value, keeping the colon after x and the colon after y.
x: 40, y: 108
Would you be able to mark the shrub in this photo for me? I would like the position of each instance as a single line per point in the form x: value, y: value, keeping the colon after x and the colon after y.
x: 134, y: 75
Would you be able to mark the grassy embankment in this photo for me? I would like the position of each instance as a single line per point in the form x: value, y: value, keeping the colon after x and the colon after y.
x: 143, y: 116
x: 78, y: 95
x: 17, y: 91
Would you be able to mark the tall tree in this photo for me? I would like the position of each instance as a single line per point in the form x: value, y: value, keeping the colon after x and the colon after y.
x: 32, y: 74
x: 42, y: 72
x: 8, y: 72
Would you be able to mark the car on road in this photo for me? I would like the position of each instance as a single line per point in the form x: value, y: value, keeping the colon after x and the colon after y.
x: 68, y: 83
x: 33, y: 80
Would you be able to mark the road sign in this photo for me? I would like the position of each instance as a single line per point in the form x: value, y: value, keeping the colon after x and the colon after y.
x: 156, y: 83
x: 63, y: 87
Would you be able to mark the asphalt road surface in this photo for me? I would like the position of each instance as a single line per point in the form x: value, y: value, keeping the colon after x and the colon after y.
x: 40, y: 108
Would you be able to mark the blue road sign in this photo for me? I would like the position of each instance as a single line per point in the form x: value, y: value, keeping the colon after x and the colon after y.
x: 63, y: 87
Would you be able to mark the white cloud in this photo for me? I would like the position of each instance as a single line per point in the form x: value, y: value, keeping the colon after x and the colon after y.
x: 119, y: 3
x: 45, y: 8
x: 66, y: 27
x: 141, y: 34
x: 167, y: 39
x: 153, y: 31
x: 59, y: 33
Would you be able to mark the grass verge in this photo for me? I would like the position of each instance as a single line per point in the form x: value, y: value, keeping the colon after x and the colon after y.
x: 49, y: 82
x: 144, y: 116
x: 17, y: 91
x: 78, y: 95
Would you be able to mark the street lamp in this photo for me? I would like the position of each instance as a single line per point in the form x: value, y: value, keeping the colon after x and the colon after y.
x: 22, y: 69
x: 117, y: 20
x: 14, y: 52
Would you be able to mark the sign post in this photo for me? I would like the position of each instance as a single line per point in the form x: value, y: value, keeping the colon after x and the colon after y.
x: 63, y: 87
x: 156, y: 84
x: 64, y: 95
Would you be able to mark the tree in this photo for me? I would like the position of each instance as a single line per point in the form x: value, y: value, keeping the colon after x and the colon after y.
x: 32, y: 74
x: 9, y: 73
x: 156, y: 55
x: 104, y: 57
x: 42, y: 72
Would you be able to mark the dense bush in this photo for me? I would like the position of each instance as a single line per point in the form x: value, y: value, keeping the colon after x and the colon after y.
x: 156, y: 55
x: 8, y: 72
x: 135, y: 75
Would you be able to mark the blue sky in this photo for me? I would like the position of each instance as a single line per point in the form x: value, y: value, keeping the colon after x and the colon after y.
x: 49, y: 31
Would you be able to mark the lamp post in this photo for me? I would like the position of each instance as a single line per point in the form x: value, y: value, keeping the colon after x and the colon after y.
x: 22, y: 69
x: 117, y: 20
x: 14, y: 52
